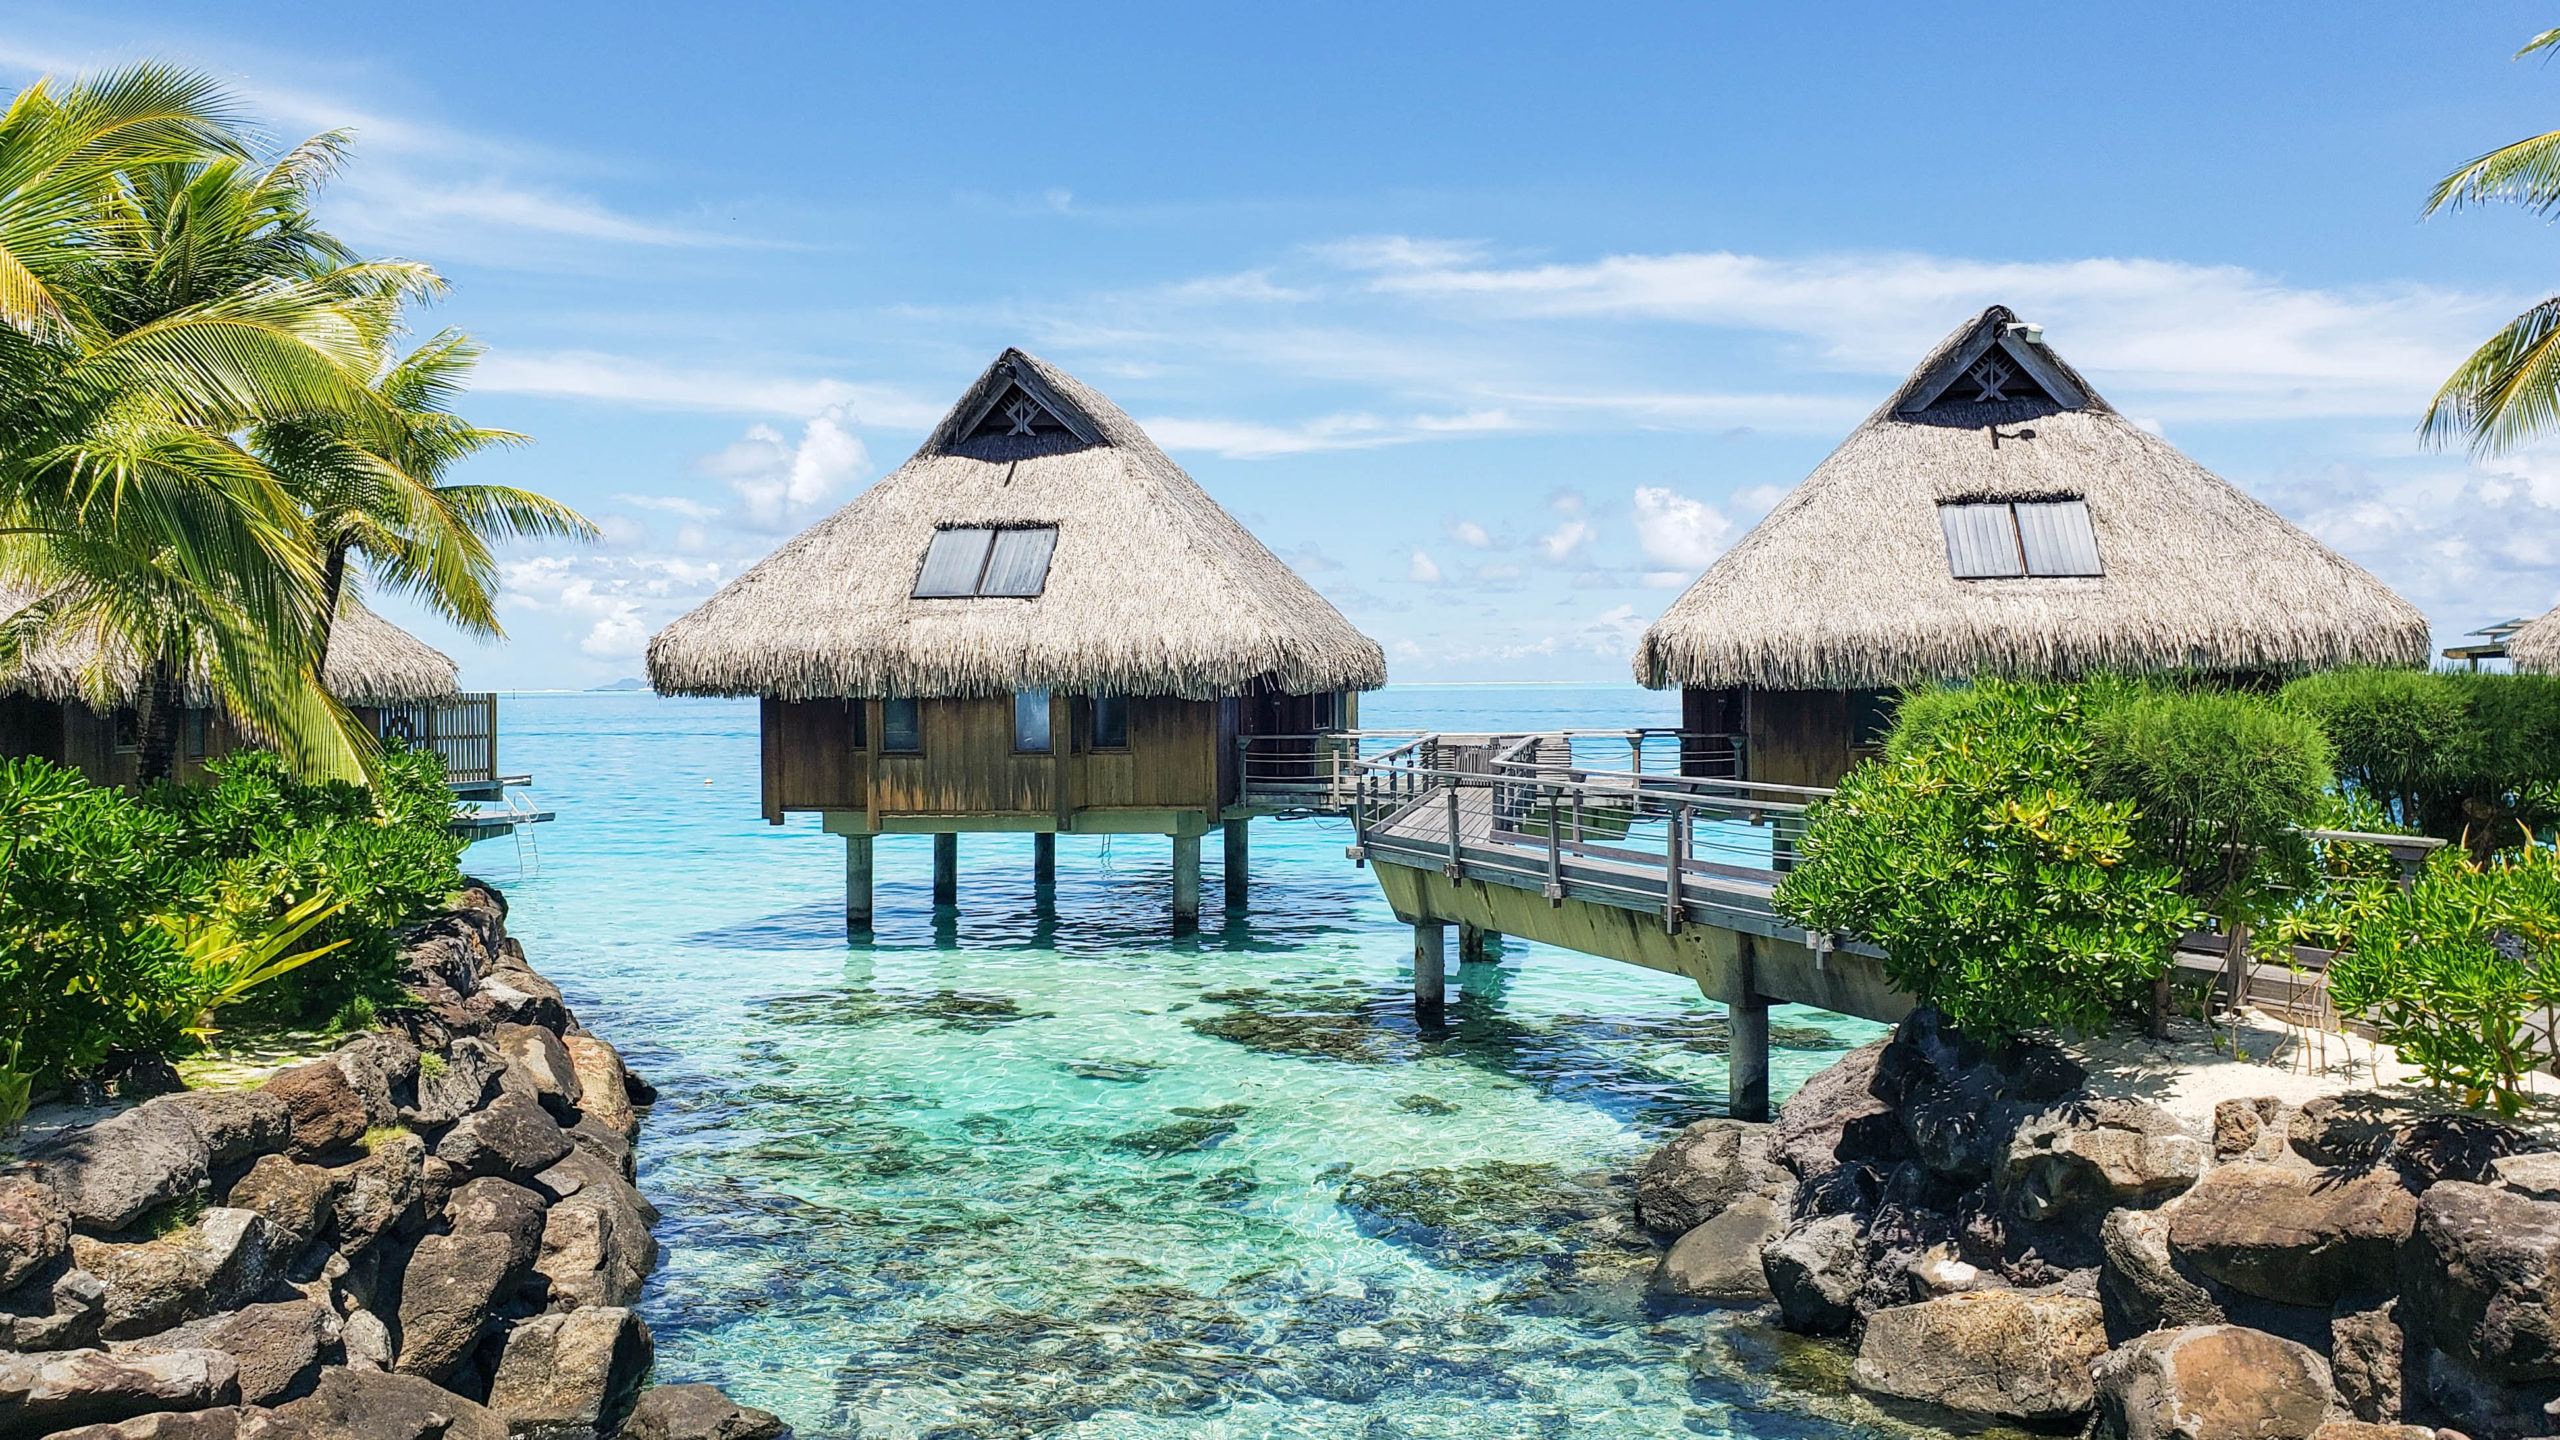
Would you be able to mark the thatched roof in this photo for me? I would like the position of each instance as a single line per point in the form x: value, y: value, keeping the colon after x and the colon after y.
x: 1151, y: 590
x: 371, y: 662
x: 2535, y: 649
x: 1848, y: 583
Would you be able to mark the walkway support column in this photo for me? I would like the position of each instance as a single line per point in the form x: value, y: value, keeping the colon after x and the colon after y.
x: 1044, y: 860
x: 946, y: 870
x: 1430, y: 966
x: 1747, y: 1053
x: 857, y: 882
x: 1186, y: 881
x: 1475, y: 946
x: 1237, y: 856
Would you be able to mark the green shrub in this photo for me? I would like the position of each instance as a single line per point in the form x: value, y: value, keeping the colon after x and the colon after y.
x: 2003, y: 889
x: 2220, y: 780
x: 2473, y: 759
x: 2454, y: 970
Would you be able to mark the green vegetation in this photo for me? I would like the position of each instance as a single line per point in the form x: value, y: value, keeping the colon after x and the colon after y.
x: 2507, y: 393
x: 2473, y: 759
x: 127, y: 923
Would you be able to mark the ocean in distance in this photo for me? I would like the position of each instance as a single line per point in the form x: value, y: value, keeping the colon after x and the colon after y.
x: 1064, y: 1174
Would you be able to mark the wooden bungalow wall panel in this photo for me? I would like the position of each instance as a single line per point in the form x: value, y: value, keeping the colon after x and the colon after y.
x: 968, y: 765
x: 1171, y: 762
x: 1799, y: 737
x: 810, y: 759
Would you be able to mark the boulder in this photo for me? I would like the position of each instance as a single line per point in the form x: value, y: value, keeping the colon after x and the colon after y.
x: 2248, y: 1129
x: 2536, y: 1176
x: 1835, y: 1118
x: 1700, y: 1171
x: 512, y: 1138
x: 443, y: 955
x: 541, y: 1058
x: 2000, y: 1354
x: 365, y: 1341
x: 222, y: 1422
x: 1719, y: 1259
x: 381, y: 1068
x: 604, y: 1086
x: 454, y: 1082
x: 379, y: 1194
x: 296, y: 1200
x: 65, y: 1315
x: 593, y: 1137
x: 2481, y: 1280
x: 2212, y: 1382
x: 40, y: 1394
x: 2292, y: 1236
x: 238, y: 1125
x: 277, y: 1347
x: 225, y: 1259
x: 596, y: 1245
x: 2094, y: 1156
x: 2343, y: 1131
x: 518, y: 996
x: 448, y: 1296
x: 110, y: 1174
x: 2142, y: 1286
x: 2365, y: 1360
x: 354, y: 1404
x: 2368, y: 1430
x: 2437, y: 1148
x: 328, y: 1114
x: 35, y: 1229
x: 697, y: 1412
x: 572, y: 1376
x: 490, y: 1206
x: 1817, y: 1269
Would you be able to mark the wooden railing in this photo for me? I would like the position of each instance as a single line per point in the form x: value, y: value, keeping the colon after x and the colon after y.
x: 461, y: 728
x: 1318, y: 772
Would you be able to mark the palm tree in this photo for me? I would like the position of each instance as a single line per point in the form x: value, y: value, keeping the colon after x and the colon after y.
x: 2508, y: 392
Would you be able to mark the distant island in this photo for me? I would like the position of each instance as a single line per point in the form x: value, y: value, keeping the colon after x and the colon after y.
x: 627, y: 682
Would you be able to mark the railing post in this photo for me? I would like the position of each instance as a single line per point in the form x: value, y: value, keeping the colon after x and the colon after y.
x: 1555, y: 853
x: 1577, y: 814
x: 1673, y: 911
x: 1455, y: 870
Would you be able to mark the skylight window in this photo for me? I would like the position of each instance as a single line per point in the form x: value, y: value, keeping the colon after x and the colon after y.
x: 2007, y: 539
x: 980, y: 560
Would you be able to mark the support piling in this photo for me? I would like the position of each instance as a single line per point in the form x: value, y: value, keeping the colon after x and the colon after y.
x: 946, y: 870
x: 857, y: 883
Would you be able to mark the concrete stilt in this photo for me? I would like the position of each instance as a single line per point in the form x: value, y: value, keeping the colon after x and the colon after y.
x: 1237, y: 862
x: 1186, y: 880
x: 1430, y: 965
x: 1477, y: 946
x: 1747, y: 1055
x: 946, y: 870
x: 857, y: 882
x: 1044, y: 860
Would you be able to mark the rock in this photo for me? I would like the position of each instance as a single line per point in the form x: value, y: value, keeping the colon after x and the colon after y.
x: 354, y: 1404
x: 2241, y: 1127
x: 40, y: 1394
x: 2094, y: 1156
x: 381, y: 1068
x: 295, y: 1200
x: 2453, y: 1147
x: 1817, y: 1270
x: 572, y: 1376
x: 2478, y: 1280
x: 276, y: 1346
x: 593, y: 1137
x: 2452, y: 1393
x: 442, y: 952
x: 2141, y: 1285
x: 328, y: 1114
x: 35, y: 1229
x: 1991, y: 1353
x: 1700, y: 1171
x: 518, y: 996
x: 2212, y: 1382
x: 543, y: 1059
x: 238, y: 1125
x: 110, y: 1174
x: 379, y: 1194
x: 75, y: 1310
x: 2365, y: 1361
x: 2535, y: 1176
x: 2366, y: 1430
x: 366, y: 1341
x: 2285, y: 1235
x: 697, y: 1412
x: 512, y: 1138
x: 454, y: 1083
x: 596, y: 1245
x: 490, y: 1206
x: 222, y: 1260
x: 449, y: 1293
x: 2343, y: 1131
x: 605, y: 1092
x: 222, y: 1422
x: 1719, y: 1259
x: 1835, y: 1111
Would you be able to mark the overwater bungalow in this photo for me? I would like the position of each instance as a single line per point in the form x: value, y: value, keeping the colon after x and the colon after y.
x: 1994, y: 516
x: 1037, y: 624
x: 398, y: 686
x: 2532, y: 646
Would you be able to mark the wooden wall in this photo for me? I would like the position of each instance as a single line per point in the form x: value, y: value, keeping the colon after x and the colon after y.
x: 1793, y: 737
x: 967, y: 765
x: 84, y: 740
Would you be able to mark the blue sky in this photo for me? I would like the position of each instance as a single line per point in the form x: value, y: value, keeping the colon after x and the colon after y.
x: 1498, y: 321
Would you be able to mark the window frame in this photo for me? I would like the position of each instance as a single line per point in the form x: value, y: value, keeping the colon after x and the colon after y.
x: 986, y: 563
x: 1048, y: 730
x: 1951, y: 517
x: 1120, y: 703
x: 889, y: 725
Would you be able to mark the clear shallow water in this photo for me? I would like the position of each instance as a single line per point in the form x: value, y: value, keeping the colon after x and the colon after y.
x: 1026, y: 1173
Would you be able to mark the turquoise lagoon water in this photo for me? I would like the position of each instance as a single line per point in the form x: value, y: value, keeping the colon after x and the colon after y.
x: 1021, y: 1173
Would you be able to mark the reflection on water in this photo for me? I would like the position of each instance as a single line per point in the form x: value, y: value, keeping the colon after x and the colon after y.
x: 1048, y: 1170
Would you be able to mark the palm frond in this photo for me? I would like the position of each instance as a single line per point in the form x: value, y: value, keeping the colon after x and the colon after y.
x: 2507, y: 393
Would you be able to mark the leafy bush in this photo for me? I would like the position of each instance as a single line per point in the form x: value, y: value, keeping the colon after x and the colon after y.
x: 1977, y: 853
x: 2463, y: 757
x: 2219, y: 781
x: 2456, y: 970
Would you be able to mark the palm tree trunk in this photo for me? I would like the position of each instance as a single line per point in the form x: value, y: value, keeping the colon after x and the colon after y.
x: 333, y: 580
x: 160, y: 703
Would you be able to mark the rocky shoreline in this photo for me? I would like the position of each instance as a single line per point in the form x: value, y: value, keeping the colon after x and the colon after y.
x: 432, y: 1231
x: 2000, y: 1246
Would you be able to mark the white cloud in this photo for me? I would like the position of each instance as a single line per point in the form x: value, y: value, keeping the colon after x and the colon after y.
x: 620, y: 600
x: 1471, y: 534
x: 1248, y: 440
x: 672, y: 504
x: 1422, y: 570
x: 1571, y: 533
x: 1614, y: 631
x: 619, y: 379
x: 1677, y: 531
x: 778, y: 483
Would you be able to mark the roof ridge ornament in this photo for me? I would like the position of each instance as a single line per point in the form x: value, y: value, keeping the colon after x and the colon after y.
x: 1018, y: 405
x: 2006, y: 361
